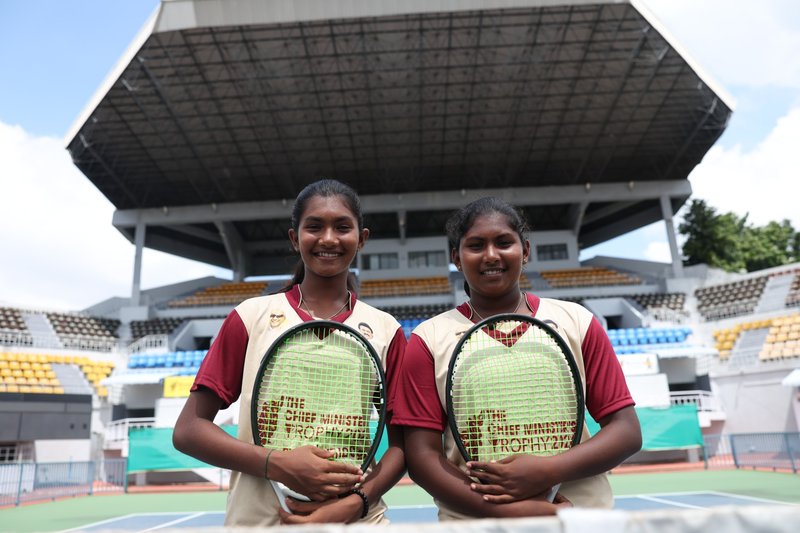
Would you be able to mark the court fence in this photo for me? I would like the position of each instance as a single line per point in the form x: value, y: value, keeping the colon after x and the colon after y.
x: 31, y: 482
x: 25, y: 482
x: 775, y: 451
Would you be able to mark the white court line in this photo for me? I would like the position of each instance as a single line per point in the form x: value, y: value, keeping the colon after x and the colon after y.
x: 752, y: 498
x: 173, y: 522
x: 669, y: 502
x: 101, y: 522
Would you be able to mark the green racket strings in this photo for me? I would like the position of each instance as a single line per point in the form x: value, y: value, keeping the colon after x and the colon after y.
x: 513, y: 392
x: 318, y: 388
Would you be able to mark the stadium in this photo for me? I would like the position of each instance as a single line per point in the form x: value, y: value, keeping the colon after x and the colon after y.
x: 587, y: 116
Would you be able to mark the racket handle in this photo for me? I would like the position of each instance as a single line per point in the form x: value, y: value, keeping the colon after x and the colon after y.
x: 552, y: 494
x: 282, y: 491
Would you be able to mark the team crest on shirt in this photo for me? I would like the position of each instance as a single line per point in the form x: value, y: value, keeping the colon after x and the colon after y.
x: 276, y: 319
x: 460, y: 333
x: 365, y: 330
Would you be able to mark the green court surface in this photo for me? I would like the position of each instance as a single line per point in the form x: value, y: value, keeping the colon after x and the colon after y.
x: 76, y: 512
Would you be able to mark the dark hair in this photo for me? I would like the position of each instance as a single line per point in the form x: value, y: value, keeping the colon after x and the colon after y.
x: 324, y: 188
x: 461, y: 221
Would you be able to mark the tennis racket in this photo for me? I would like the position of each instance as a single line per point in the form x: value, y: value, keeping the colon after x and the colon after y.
x: 513, y: 387
x: 320, y: 383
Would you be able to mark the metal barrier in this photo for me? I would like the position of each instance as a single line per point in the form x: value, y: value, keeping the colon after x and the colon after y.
x: 31, y: 482
x: 775, y: 451
x: 766, y: 450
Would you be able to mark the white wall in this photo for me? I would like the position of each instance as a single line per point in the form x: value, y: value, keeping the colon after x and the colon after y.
x: 554, y: 237
x: 755, y: 402
x: 423, y: 244
x: 63, y: 450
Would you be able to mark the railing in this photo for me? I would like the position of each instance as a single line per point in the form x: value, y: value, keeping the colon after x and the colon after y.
x: 31, y: 482
x: 704, y: 400
x: 76, y: 342
x: 116, y: 433
x: 150, y: 343
x: 774, y: 451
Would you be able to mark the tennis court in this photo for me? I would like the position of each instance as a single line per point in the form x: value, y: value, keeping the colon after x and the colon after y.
x: 408, y: 503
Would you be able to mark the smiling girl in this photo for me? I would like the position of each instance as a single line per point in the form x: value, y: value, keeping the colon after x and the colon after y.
x: 488, y: 244
x: 327, y: 231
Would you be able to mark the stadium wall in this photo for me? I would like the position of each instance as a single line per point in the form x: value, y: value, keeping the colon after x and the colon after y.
x: 755, y: 401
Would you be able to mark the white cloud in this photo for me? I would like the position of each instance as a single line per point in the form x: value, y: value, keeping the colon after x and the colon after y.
x: 60, y: 250
x: 658, y: 251
x: 762, y: 182
x: 739, y: 42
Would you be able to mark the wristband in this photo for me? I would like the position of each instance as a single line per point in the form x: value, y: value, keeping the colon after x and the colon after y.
x: 364, y: 500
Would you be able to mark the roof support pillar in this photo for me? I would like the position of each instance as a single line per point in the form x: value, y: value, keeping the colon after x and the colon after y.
x: 677, y: 260
x: 138, y: 241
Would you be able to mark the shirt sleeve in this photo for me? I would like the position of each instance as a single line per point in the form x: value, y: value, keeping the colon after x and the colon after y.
x: 606, y: 389
x: 222, y: 367
x: 394, y: 359
x: 416, y: 402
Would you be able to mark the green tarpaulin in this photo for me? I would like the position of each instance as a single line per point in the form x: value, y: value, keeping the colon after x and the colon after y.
x: 151, y: 449
x: 672, y: 428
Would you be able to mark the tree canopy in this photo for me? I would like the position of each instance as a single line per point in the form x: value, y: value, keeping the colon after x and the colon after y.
x: 729, y: 242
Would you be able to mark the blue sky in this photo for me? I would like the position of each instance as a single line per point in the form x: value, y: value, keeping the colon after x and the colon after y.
x: 54, y: 54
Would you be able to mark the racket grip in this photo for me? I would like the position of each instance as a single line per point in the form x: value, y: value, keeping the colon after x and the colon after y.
x: 552, y: 494
x: 282, y: 491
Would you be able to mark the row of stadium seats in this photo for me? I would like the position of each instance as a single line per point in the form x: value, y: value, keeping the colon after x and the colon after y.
x: 85, y: 326
x: 646, y: 336
x: 225, y: 294
x: 730, y: 299
x: 189, y: 359
x: 11, y: 319
x: 35, y: 372
x: 670, y: 300
x: 155, y: 326
x: 404, y: 287
x: 587, y: 277
x: 793, y: 297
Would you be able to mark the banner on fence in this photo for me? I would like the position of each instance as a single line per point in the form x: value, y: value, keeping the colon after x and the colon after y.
x: 675, y: 427
x: 151, y: 449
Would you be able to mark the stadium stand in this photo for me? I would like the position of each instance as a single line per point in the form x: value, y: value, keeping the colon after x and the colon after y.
x: 225, y: 294
x: 68, y: 326
x: 793, y: 297
x: 639, y: 340
x: 11, y: 319
x: 404, y: 287
x: 588, y: 277
x: 674, y: 301
x: 155, y: 326
x: 730, y: 299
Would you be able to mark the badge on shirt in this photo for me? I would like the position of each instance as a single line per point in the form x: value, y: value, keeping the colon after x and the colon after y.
x: 276, y: 319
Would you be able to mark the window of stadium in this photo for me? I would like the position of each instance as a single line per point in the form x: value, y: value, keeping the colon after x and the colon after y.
x: 16, y: 452
x: 552, y: 252
x: 380, y: 261
x: 426, y: 259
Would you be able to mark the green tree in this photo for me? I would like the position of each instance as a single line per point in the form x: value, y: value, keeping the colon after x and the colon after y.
x: 767, y: 246
x: 711, y: 238
x: 728, y: 242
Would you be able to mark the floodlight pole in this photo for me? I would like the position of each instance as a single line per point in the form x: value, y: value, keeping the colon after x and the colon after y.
x: 138, y: 240
x: 677, y: 262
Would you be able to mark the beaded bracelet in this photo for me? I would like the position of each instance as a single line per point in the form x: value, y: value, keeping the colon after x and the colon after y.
x: 364, y: 500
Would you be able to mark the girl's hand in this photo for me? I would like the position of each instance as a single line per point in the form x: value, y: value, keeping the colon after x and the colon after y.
x: 345, y: 511
x: 309, y: 471
x: 513, y: 478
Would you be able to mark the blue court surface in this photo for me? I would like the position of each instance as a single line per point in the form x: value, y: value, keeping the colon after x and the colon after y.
x: 142, y: 522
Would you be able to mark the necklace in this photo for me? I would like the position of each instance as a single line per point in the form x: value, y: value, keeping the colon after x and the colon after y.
x: 303, y: 304
x: 476, y: 313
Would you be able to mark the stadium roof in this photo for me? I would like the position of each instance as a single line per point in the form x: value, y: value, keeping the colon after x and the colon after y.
x: 586, y: 115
